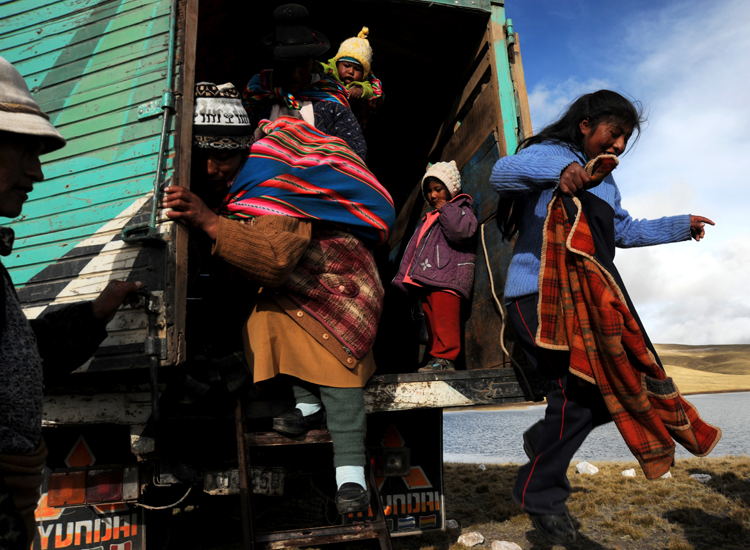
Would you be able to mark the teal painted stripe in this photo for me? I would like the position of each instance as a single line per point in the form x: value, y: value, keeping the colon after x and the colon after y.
x: 90, y: 87
x: 104, y: 175
x: 483, y: 5
x: 24, y: 14
x: 121, y: 105
x: 91, y: 163
x: 46, y: 226
x: 48, y: 36
x: 99, y: 52
x: 120, y: 136
x: 507, y: 91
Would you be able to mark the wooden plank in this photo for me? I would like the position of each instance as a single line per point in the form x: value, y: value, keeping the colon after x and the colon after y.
x: 473, y: 131
x: 516, y: 71
x: 178, y: 264
x: 113, y: 408
x: 470, y: 91
x: 268, y: 439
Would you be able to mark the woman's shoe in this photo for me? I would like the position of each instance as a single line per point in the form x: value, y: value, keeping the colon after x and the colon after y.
x: 294, y: 423
x: 352, y: 498
x: 437, y: 364
x: 556, y: 528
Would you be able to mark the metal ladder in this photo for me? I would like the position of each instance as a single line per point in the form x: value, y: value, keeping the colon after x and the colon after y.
x: 373, y: 530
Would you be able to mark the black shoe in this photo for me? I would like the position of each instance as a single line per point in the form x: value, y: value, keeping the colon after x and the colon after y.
x: 531, y: 439
x: 556, y: 528
x: 293, y: 423
x: 352, y: 498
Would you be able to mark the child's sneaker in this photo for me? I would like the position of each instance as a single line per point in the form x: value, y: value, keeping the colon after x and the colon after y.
x: 437, y: 364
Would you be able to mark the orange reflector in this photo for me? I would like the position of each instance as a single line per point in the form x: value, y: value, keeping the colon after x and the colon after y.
x: 104, y: 486
x: 66, y: 489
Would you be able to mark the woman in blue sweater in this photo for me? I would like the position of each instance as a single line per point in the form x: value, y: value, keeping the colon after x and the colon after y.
x: 598, y: 123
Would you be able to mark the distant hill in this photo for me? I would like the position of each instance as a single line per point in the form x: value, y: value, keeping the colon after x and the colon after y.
x: 714, y: 368
x: 725, y: 359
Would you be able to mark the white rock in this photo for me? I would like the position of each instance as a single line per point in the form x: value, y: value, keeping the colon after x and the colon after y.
x: 451, y: 524
x: 586, y: 468
x: 701, y: 478
x: 482, y: 467
x: 505, y: 545
x: 667, y: 475
x: 472, y: 538
x: 628, y: 473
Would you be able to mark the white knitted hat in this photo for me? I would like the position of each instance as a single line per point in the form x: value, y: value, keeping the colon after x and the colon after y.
x: 20, y: 114
x: 446, y: 172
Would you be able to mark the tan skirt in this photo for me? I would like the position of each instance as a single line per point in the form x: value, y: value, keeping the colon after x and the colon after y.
x: 275, y: 344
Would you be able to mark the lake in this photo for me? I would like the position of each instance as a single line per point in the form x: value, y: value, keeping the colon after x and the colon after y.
x: 495, y: 436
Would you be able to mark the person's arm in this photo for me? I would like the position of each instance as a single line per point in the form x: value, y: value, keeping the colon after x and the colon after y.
x: 457, y: 222
x: 267, y: 251
x: 535, y: 168
x: 366, y: 88
x: 336, y: 120
x: 67, y: 336
x: 630, y: 233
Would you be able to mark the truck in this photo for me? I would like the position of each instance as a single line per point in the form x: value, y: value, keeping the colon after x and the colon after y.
x: 117, y: 79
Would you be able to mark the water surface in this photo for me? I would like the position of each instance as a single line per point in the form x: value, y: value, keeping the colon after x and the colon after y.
x: 495, y: 436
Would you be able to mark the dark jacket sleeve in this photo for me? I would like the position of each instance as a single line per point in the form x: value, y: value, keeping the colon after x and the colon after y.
x: 458, y: 222
x: 66, y: 337
x: 336, y: 120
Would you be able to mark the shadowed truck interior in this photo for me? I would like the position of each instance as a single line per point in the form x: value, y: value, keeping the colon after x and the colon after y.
x: 422, y: 53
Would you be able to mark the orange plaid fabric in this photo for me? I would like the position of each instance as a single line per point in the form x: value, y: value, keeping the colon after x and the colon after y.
x: 582, y: 309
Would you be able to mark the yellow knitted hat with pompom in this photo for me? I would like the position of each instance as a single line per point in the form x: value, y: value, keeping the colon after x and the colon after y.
x: 357, y: 48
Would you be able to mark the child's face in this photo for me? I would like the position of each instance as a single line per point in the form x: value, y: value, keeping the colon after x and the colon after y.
x: 350, y: 72
x: 437, y: 193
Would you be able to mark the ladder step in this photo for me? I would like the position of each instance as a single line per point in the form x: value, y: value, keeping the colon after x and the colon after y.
x: 267, y: 439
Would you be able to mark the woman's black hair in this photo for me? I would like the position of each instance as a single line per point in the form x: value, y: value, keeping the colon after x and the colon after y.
x: 597, y: 107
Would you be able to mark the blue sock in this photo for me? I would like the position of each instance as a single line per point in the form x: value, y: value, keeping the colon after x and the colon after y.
x: 350, y: 474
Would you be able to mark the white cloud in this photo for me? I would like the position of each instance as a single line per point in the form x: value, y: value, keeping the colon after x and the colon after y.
x: 691, y: 68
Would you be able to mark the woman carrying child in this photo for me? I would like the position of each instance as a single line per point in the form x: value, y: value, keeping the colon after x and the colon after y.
x: 537, y: 181
x: 438, y: 264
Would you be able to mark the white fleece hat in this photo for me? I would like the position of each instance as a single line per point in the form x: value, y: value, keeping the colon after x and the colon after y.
x: 20, y: 114
x: 446, y: 172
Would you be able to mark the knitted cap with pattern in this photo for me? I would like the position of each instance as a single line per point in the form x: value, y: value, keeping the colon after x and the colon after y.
x: 220, y: 121
x: 357, y: 48
x: 446, y: 172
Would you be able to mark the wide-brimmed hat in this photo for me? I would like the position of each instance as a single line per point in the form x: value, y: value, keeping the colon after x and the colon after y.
x: 293, y: 39
x: 220, y: 121
x: 20, y: 114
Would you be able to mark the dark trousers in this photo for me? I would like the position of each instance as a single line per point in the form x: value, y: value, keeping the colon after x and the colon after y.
x: 574, y: 408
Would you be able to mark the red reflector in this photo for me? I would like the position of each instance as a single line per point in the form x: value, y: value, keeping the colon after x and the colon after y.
x: 66, y: 489
x: 104, y: 486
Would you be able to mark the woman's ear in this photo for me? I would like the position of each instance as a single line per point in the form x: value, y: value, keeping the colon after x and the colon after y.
x: 585, y: 126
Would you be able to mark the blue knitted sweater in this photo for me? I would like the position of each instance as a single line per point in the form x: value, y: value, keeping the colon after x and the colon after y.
x: 535, y: 173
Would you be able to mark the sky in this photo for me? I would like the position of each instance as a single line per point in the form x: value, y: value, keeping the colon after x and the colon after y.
x: 688, y: 63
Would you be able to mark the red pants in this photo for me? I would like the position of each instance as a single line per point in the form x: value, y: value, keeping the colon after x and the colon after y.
x: 442, y: 314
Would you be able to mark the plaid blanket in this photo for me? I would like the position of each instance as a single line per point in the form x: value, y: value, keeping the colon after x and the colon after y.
x: 301, y: 172
x: 583, y: 309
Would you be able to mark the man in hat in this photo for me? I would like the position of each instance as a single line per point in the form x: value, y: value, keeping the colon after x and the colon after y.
x: 32, y: 353
x: 294, y: 87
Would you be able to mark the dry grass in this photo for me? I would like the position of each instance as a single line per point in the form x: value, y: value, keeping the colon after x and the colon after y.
x: 610, y: 511
x: 701, y: 369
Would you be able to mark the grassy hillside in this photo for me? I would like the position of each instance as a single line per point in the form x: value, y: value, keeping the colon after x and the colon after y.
x: 700, y: 369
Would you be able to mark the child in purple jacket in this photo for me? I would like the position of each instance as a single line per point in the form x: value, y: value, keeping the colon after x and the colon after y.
x: 438, y: 264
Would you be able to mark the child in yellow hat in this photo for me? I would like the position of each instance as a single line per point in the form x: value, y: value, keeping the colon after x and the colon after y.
x: 350, y: 67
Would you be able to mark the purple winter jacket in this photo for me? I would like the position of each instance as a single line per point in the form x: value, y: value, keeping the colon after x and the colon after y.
x: 446, y: 256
